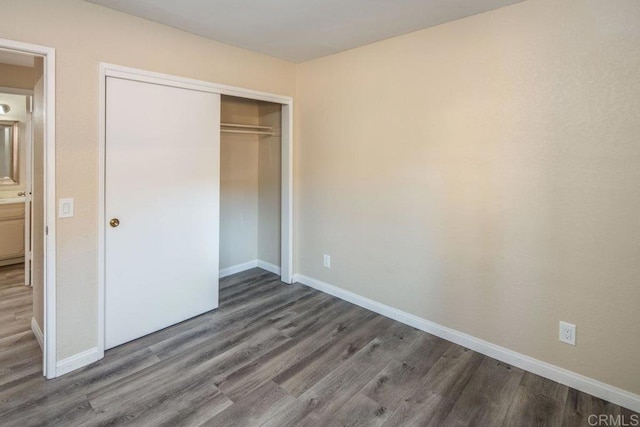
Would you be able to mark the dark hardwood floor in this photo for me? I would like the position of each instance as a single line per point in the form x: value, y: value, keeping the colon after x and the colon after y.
x: 277, y: 355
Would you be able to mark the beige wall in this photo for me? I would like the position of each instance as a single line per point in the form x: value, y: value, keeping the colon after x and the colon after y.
x: 238, y: 185
x: 16, y: 77
x: 84, y: 34
x: 484, y: 174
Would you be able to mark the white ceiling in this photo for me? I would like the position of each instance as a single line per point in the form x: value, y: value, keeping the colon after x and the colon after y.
x: 14, y: 58
x: 299, y: 30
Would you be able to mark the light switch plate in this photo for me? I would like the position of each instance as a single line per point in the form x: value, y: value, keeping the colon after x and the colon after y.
x: 327, y: 261
x: 65, y: 208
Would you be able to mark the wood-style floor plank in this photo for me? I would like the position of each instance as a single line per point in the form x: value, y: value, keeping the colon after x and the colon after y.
x: 255, y: 408
x: 426, y: 409
x: 302, y: 375
x: 537, y: 402
x: 399, y: 379
x: 360, y: 410
x: 316, y: 405
x: 276, y: 355
x: 243, y: 381
x: 487, y: 396
x: 580, y: 406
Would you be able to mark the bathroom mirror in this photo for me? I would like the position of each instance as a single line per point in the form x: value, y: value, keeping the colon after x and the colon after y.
x: 8, y: 152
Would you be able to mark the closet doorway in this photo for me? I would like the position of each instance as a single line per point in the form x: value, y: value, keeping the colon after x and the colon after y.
x: 250, y: 185
x: 263, y: 124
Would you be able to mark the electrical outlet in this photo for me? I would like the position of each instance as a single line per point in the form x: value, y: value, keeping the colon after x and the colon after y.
x: 568, y: 333
x: 327, y: 261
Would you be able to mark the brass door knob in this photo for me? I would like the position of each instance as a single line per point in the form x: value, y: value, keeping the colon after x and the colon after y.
x: 114, y: 222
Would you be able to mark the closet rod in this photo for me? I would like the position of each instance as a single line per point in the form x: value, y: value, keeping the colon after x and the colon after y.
x: 235, y: 125
x: 252, y: 132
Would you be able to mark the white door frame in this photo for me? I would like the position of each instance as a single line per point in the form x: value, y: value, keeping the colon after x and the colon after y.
x: 110, y: 70
x: 49, y: 327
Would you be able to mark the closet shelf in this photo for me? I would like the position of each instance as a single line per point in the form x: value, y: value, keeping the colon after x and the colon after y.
x: 246, y: 129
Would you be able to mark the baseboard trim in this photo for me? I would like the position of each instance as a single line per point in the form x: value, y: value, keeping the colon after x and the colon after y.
x: 35, y: 328
x: 563, y: 376
x: 77, y: 361
x: 269, y: 267
x: 238, y: 268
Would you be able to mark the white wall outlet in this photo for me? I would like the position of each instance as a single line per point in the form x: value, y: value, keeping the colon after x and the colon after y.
x: 568, y: 333
x: 327, y: 261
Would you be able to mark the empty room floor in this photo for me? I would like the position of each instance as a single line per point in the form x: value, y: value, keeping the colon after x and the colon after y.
x: 280, y: 355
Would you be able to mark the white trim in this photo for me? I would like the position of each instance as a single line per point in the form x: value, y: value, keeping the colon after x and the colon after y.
x: 16, y: 91
x: 77, y: 361
x: 249, y: 265
x: 286, y: 191
x: 563, y: 376
x: 129, y: 73
x: 272, y: 268
x: 112, y: 70
x: 35, y: 328
x: 49, y: 73
x: 102, y: 97
x: 238, y: 268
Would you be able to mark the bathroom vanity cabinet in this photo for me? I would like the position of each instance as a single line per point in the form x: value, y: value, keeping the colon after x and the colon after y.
x: 11, y: 233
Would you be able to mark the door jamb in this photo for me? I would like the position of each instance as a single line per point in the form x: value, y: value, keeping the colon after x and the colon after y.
x: 111, y: 70
x: 49, y: 358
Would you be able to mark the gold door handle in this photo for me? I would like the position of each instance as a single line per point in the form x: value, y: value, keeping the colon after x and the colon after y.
x: 114, y: 222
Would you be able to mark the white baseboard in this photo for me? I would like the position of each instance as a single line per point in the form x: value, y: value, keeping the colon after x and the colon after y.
x: 77, y: 361
x: 563, y: 376
x: 269, y: 267
x: 35, y: 328
x: 238, y: 268
x: 248, y: 265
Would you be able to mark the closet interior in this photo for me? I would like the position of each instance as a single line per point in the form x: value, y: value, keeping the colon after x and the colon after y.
x: 250, y: 185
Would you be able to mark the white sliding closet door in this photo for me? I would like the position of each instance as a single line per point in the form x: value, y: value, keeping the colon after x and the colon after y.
x: 162, y: 177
